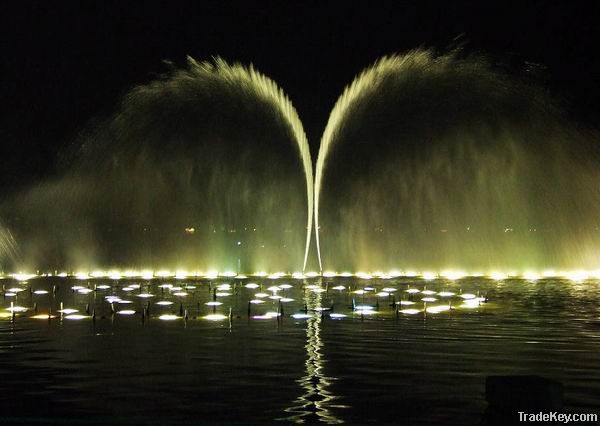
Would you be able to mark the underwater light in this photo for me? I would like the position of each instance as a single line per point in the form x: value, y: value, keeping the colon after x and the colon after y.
x: 126, y: 312
x: 312, y: 274
x: 428, y: 292
x: 531, y: 276
x: 214, y: 303
x: 168, y: 317
x: 84, y: 291
x: 256, y: 301
x: 334, y: 315
x: 428, y: 276
x: 103, y: 287
x: 38, y: 292
x: 251, y: 285
x: 453, y: 275
x: 383, y: 294
x: 445, y: 294
x: 10, y: 294
x: 405, y: 302
x: 301, y: 316
x: 286, y: 300
x: 318, y: 290
x: 413, y: 290
x: 144, y: 295
x: 261, y: 295
x: 298, y: 275
x: 68, y: 311
x: 164, y: 303
x: 498, y: 276
x: 363, y: 308
x: 429, y: 299
x: 22, y: 276
x: 410, y: 311
x: 17, y: 309
x: 468, y: 296
x: 215, y: 317
x: 43, y: 316
x: 438, y: 309
x: 76, y: 317
x: 180, y: 294
x: 329, y: 274
x: 267, y: 315
x: 339, y: 287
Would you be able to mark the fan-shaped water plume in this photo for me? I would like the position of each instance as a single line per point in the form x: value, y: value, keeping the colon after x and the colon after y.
x: 198, y: 169
x: 440, y: 161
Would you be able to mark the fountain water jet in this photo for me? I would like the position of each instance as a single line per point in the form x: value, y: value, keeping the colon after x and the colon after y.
x: 440, y: 161
x: 191, y: 172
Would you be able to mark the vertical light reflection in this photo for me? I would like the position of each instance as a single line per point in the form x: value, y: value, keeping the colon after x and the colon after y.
x: 316, y: 400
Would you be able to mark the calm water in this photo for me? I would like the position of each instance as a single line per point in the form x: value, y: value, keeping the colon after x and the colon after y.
x: 380, y: 367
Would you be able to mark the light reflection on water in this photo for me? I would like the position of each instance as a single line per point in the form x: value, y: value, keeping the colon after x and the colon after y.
x: 314, y: 404
x: 361, y: 368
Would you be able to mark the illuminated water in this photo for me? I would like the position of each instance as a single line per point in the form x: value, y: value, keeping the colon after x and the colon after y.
x: 357, y: 368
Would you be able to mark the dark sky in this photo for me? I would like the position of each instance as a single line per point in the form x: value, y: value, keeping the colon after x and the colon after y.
x: 62, y: 65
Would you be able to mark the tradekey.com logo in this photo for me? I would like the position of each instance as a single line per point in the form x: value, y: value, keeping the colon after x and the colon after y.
x: 554, y: 416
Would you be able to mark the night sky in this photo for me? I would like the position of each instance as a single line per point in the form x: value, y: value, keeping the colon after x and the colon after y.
x: 63, y: 65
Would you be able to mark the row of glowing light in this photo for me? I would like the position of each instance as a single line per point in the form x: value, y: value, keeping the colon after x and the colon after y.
x: 575, y: 275
x: 469, y: 301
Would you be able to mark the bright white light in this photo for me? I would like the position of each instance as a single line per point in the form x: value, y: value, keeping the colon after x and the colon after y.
x: 40, y: 292
x: 453, y: 275
x: 337, y: 316
x: 256, y: 301
x: 164, y: 303
x: 429, y: 299
x: 214, y: 303
x: 126, y: 312
x: 300, y: 316
x: 428, y: 276
x: 180, y: 294
x: 468, y: 296
x: 215, y: 317
x: 68, y: 311
x: 168, y: 317
x: 438, y: 309
x: 286, y: 300
x: 383, y: 294
x: 17, y: 309
x: 76, y: 317
x: 251, y: 285
x: 145, y: 295
x: 339, y: 287
x: 445, y: 294
x: 410, y: 311
x: 261, y: 295
x: 413, y: 290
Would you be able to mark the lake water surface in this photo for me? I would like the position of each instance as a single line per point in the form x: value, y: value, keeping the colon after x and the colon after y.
x: 374, y: 365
